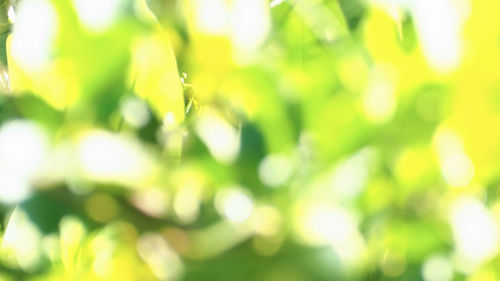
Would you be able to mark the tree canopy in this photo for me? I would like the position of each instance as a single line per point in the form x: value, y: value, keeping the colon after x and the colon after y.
x: 249, y: 140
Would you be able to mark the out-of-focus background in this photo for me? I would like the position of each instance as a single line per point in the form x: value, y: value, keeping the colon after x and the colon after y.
x: 249, y: 140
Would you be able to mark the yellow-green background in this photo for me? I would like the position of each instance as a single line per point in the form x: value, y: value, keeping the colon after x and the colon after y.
x: 288, y: 140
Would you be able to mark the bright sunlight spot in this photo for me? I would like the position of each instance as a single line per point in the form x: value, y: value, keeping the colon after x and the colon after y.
x: 458, y: 170
x: 251, y: 23
x: 109, y: 157
x: 333, y: 226
x: 439, y: 25
x: 437, y: 268
x: 234, y: 204
x: 275, y: 170
x: 474, y: 229
x: 23, y: 148
x: 98, y: 15
x: 34, y: 33
x: 21, y: 241
x: 349, y: 177
x: 379, y: 102
x: 222, y: 139
x: 135, y: 112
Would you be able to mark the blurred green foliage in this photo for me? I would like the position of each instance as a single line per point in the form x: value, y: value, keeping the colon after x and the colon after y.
x: 249, y: 140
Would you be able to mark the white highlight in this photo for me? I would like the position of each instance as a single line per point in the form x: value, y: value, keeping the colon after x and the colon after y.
x: 212, y: 16
x: 33, y: 34
x: 11, y: 14
x: 275, y: 170
x: 334, y: 226
x: 23, y: 149
x: 245, y: 22
x: 14, y: 187
x: 21, y: 241
x: 447, y: 142
x: 437, y: 268
x: 456, y: 166
x: 439, y: 25
x: 458, y: 170
x: 251, y: 24
x: 135, y: 112
x: 222, y: 140
x: 98, y: 15
x: 475, y: 230
x: 349, y: 178
x: 22, y: 146
x: 169, y: 122
x: 151, y: 201
x: 238, y: 207
x: 379, y: 101
x: 275, y: 3
x: 109, y: 157
x: 330, y: 225
x: 234, y: 204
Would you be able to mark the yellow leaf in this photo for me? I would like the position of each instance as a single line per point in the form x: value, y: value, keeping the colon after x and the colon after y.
x: 156, y: 80
x: 154, y: 70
